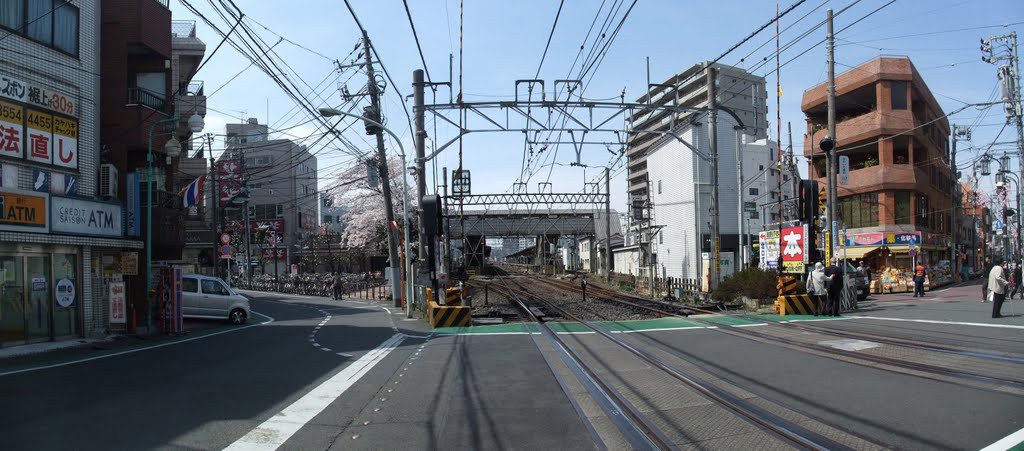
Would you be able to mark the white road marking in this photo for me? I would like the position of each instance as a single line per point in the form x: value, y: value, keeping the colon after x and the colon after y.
x: 130, y: 351
x: 849, y: 344
x: 272, y: 433
x: 1006, y: 442
x: 343, y: 354
x: 929, y: 321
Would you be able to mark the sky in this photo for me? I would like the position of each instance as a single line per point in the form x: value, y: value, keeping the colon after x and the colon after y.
x: 503, y: 41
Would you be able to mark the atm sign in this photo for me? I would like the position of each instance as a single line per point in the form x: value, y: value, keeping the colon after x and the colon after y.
x: 22, y: 210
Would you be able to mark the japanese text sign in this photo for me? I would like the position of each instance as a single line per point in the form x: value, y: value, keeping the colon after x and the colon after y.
x: 40, y: 137
x: 12, y: 128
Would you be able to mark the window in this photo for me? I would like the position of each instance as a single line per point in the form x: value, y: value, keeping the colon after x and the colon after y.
x: 661, y: 237
x: 659, y: 186
x: 898, y: 90
x: 755, y: 215
x: 189, y: 285
x: 754, y: 191
x: 53, y: 23
x: 327, y: 219
x: 760, y: 167
x: 859, y: 210
x: 902, y: 207
x: 921, y: 211
x: 213, y: 287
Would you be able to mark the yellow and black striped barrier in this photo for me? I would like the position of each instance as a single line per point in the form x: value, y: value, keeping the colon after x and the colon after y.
x: 449, y: 315
x: 795, y: 304
x: 787, y: 285
x: 453, y: 296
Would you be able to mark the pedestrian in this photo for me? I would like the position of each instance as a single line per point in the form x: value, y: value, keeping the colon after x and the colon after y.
x: 834, y: 289
x: 984, y: 279
x: 336, y: 286
x: 919, y: 274
x: 1016, y: 281
x: 816, y: 286
x: 997, y: 285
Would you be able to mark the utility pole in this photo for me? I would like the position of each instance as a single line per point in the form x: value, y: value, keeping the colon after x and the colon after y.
x: 833, y: 198
x: 421, y: 146
x: 739, y: 202
x: 385, y: 178
x: 713, y: 138
x: 954, y: 212
x: 214, y: 199
x: 1009, y: 77
x: 608, y: 224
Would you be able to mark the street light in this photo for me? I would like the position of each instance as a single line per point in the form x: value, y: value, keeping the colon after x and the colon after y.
x: 328, y: 112
x: 172, y: 148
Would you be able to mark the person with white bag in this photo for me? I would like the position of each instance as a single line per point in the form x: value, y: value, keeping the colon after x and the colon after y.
x: 997, y: 288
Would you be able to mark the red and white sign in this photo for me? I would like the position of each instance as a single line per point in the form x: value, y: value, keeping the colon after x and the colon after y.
x: 118, y: 307
x: 794, y: 244
x: 227, y: 190
x: 40, y: 137
x: 225, y: 238
x: 282, y: 252
x: 229, y: 169
x: 12, y: 130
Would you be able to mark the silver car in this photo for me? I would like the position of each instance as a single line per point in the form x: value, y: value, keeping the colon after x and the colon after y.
x: 210, y: 297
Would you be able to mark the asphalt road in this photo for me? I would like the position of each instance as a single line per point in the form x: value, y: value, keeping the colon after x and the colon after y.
x: 198, y: 394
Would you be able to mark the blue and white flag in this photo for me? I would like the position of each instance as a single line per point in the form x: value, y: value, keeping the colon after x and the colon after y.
x: 192, y: 193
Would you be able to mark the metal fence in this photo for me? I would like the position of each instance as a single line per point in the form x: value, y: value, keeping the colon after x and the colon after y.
x: 183, y: 28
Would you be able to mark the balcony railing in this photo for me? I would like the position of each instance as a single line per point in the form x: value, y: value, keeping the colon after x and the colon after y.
x: 164, y: 3
x: 141, y: 96
x: 182, y: 28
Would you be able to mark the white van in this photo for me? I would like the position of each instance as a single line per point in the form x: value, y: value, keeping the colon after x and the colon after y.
x: 209, y: 297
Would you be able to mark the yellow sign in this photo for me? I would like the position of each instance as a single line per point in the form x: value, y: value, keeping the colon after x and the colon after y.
x: 130, y: 263
x: 22, y: 210
x: 828, y: 247
x: 40, y: 121
x: 793, y: 267
x: 65, y: 127
x: 12, y: 113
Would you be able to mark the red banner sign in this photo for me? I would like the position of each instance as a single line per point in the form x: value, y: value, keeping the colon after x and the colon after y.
x: 794, y: 244
x: 282, y: 253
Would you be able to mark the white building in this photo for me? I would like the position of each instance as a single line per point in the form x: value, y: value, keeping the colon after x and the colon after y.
x: 680, y: 195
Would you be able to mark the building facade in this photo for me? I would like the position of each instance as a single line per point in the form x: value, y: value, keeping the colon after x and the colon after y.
x: 57, y: 229
x: 281, y: 180
x: 738, y: 90
x: 897, y: 139
x: 678, y: 227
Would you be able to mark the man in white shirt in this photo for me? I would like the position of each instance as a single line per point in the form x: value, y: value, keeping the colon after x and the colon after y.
x: 997, y: 286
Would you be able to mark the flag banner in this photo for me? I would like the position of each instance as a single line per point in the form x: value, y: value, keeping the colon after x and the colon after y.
x: 192, y: 193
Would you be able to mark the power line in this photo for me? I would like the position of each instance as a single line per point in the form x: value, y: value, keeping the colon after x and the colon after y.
x: 417, y: 38
x: 550, y: 35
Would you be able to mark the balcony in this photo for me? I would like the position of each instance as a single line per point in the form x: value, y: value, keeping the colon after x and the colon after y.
x: 148, y: 99
x: 865, y: 127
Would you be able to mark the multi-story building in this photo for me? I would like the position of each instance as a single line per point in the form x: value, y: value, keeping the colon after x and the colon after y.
x: 281, y: 179
x: 332, y: 216
x: 676, y: 229
x: 897, y: 203
x: 61, y: 235
x: 147, y: 65
x: 738, y: 90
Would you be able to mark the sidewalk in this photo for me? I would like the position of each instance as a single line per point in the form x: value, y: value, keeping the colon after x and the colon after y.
x: 954, y: 303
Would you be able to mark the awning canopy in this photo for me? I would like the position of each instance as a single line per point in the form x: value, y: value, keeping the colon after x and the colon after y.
x: 857, y: 252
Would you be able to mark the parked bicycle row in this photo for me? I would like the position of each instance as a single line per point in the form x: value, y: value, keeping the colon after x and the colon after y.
x: 336, y: 286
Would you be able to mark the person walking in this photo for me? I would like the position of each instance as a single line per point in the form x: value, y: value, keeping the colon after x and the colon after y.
x: 336, y: 286
x: 919, y: 274
x: 834, y: 289
x: 984, y: 279
x: 1015, y: 281
x: 997, y: 285
x: 816, y: 286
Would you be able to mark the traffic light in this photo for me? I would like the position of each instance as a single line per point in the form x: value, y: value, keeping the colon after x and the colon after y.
x: 811, y: 200
x: 432, y: 215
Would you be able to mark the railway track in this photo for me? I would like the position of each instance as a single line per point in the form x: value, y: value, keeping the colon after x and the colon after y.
x: 772, y: 423
x: 978, y: 369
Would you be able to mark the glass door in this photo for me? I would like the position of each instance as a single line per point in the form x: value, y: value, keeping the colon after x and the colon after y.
x: 38, y: 315
x: 12, y: 299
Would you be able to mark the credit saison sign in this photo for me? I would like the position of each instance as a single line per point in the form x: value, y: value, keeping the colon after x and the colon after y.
x: 83, y: 217
x: 24, y: 211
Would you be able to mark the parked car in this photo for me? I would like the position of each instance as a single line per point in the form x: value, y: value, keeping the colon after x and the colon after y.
x: 209, y: 297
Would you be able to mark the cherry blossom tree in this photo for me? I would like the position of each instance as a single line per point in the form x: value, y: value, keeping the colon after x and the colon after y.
x: 364, y: 221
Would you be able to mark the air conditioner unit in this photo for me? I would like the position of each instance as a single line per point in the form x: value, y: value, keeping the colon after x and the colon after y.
x: 108, y: 181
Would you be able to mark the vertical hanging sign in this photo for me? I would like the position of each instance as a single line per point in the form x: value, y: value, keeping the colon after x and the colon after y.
x: 65, y: 147
x: 40, y: 137
x: 12, y: 129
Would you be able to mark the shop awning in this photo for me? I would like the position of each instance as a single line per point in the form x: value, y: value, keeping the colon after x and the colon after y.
x: 857, y: 252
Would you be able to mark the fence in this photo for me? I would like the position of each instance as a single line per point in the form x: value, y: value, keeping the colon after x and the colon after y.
x: 675, y: 287
x: 371, y: 289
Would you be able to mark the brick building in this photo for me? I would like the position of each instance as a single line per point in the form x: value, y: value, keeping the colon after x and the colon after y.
x: 896, y: 135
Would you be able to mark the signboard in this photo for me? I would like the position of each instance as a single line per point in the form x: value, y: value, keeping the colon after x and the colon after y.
x: 225, y: 238
x: 64, y: 184
x: 40, y: 181
x: 12, y: 127
x: 65, y: 137
x: 281, y: 253
x: 130, y: 263
x: 878, y: 239
x: 750, y: 207
x: 461, y: 183
x: 229, y: 170
x: 794, y: 244
x: 40, y: 137
x: 794, y: 267
x: 227, y: 190
x: 65, y: 293
x: 117, y: 303
x: 35, y: 95
x: 83, y: 217
x: 768, y: 249
x: 844, y: 170
x: 8, y: 175
x: 133, y: 204
x: 24, y: 211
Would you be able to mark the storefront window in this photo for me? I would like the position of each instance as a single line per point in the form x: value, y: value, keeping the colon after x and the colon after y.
x: 67, y: 294
x: 12, y: 299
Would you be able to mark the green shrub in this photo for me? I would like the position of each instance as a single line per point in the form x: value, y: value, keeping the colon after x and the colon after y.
x: 753, y: 283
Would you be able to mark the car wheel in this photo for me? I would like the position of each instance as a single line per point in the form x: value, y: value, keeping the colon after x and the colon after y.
x: 237, y: 316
